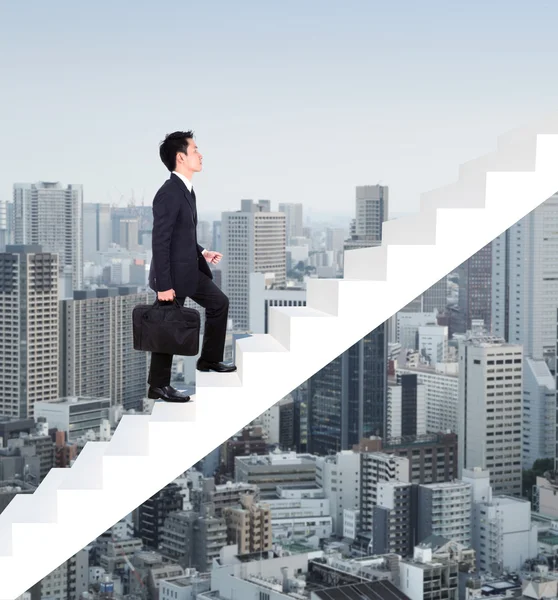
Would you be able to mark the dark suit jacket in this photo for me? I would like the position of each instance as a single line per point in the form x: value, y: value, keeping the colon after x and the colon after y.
x: 177, y: 258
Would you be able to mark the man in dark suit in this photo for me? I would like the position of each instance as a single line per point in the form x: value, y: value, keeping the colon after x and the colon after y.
x: 179, y: 266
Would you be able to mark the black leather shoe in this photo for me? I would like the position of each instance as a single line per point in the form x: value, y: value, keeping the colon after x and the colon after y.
x: 167, y: 393
x: 218, y: 367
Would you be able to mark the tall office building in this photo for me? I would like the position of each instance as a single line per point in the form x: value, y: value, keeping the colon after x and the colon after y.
x: 3, y: 225
x: 129, y: 234
x: 431, y: 458
x: 525, y: 282
x: 192, y: 539
x: 539, y: 412
x: 371, y: 210
x: 405, y: 407
x: 475, y: 290
x: 503, y: 534
x: 253, y: 241
x: 69, y: 580
x: 445, y: 510
x: 394, y: 519
x: 435, y: 298
x: 204, y: 234
x: 51, y: 215
x: 153, y: 512
x: 490, y: 410
x: 216, y: 236
x: 372, y: 204
x: 249, y: 525
x: 96, y: 346
x: 347, y: 398
x: 29, y: 322
x: 376, y: 468
x: 97, y: 231
x: 339, y: 477
x: 293, y: 218
x: 335, y: 239
x: 441, y: 386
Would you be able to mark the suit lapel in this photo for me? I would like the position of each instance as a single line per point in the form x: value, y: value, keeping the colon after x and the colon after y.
x: 188, y: 195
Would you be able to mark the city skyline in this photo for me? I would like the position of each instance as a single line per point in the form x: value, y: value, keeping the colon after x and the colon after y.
x: 378, y: 478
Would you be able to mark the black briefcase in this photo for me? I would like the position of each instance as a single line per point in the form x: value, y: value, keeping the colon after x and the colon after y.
x: 166, y: 327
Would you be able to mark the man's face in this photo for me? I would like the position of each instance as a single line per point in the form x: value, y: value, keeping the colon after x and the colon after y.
x: 193, y: 159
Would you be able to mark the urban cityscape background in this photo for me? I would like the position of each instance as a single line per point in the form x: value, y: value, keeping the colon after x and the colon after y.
x: 418, y: 464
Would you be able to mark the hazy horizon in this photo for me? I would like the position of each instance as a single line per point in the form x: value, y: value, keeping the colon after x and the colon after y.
x: 297, y: 102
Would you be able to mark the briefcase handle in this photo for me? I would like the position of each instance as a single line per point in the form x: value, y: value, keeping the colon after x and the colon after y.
x: 174, y: 300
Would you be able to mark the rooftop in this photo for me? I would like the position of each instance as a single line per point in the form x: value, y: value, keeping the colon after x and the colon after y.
x: 370, y: 590
x: 75, y: 400
x: 187, y: 580
x: 277, y: 458
x: 447, y: 485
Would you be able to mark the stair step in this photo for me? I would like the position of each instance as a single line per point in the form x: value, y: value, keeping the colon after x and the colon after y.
x: 217, y: 380
x: 44, y: 496
x: 260, y: 353
x: 366, y: 264
x: 23, y: 508
x: 335, y: 296
x: 293, y: 326
x: 87, y: 471
x: 29, y: 535
x: 411, y: 230
x: 518, y: 151
x: 170, y: 412
x: 131, y: 437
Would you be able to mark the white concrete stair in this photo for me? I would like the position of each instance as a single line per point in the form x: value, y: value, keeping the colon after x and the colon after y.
x: 73, y: 506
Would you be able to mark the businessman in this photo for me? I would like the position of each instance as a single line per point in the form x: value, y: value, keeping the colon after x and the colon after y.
x: 179, y: 266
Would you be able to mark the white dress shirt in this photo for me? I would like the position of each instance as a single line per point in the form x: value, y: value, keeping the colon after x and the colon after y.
x: 188, y: 184
x: 185, y: 180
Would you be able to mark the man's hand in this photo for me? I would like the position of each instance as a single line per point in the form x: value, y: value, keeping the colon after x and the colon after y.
x: 212, y: 257
x: 167, y: 296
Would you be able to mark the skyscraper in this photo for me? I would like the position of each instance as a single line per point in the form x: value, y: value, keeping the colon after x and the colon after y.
x: 370, y: 212
x: 293, y: 217
x: 3, y: 225
x: 216, y: 236
x: 346, y: 399
x: 51, y: 215
x: 29, y: 323
x: 435, y: 298
x: 253, y: 241
x: 96, y: 346
x: 153, y: 512
x: 97, y: 231
x: 525, y: 282
x: 490, y: 410
x: 129, y: 234
x: 405, y: 407
x: 475, y: 289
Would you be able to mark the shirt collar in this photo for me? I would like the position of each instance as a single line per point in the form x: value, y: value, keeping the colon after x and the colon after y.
x: 185, y: 180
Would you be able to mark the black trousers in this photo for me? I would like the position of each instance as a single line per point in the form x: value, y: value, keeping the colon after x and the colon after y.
x: 216, y: 305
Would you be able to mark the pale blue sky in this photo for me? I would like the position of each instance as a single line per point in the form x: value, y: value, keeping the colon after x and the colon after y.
x: 292, y: 101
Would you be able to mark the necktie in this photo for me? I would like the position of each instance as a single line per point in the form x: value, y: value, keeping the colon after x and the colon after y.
x: 195, y: 207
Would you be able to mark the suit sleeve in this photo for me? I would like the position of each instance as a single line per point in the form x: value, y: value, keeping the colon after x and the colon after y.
x: 165, y: 212
x: 201, y: 248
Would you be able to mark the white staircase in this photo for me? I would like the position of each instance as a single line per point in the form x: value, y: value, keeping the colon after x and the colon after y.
x: 40, y: 531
